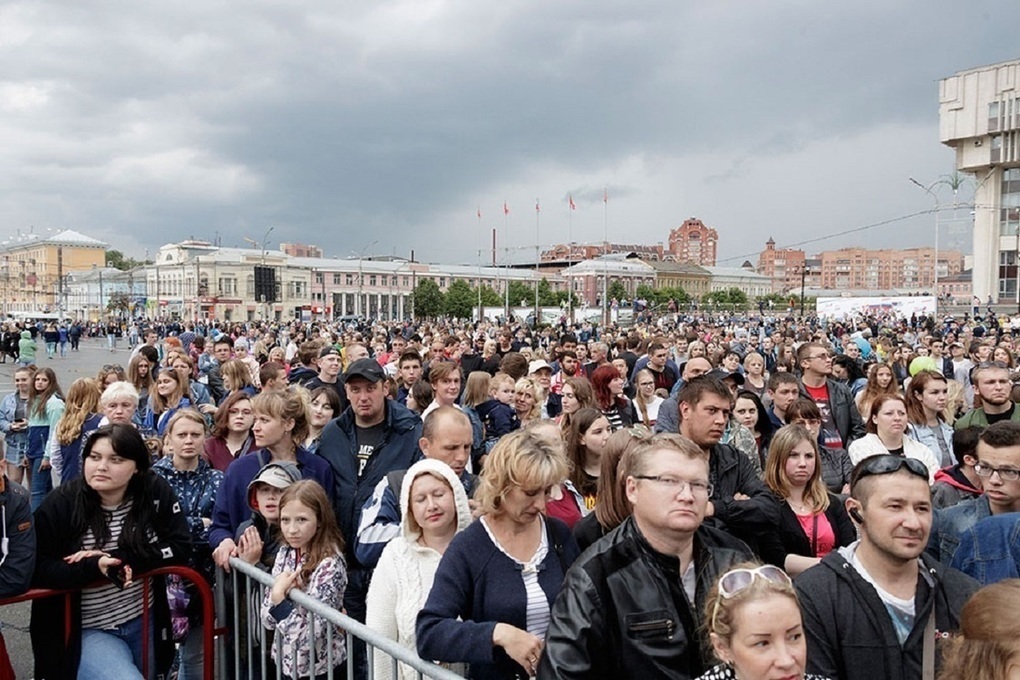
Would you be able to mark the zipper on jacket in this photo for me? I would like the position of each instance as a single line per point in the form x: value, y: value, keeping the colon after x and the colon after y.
x: 647, y: 626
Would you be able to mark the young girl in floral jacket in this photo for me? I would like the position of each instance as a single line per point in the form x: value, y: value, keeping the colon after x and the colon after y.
x: 311, y: 560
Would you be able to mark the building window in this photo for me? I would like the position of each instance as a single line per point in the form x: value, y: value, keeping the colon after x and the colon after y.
x: 336, y: 279
x: 371, y: 280
x: 319, y: 278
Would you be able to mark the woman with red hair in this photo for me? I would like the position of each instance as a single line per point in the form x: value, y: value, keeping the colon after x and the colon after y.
x: 608, y: 387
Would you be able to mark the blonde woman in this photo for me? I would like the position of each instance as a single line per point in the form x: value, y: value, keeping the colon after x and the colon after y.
x: 81, y: 416
x: 527, y: 400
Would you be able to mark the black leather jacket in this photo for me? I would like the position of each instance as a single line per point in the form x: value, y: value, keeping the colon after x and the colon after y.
x: 623, y: 612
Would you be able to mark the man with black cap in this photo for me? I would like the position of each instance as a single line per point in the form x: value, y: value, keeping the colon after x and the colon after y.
x: 329, y: 374
x: 371, y: 438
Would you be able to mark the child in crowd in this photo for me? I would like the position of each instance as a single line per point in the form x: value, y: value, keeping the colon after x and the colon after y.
x: 258, y: 538
x: 311, y: 560
x: 498, y: 414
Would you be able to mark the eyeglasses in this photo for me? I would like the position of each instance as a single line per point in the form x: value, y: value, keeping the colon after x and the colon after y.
x: 735, y: 581
x: 1005, y: 474
x: 676, y: 485
x: 885, y: 465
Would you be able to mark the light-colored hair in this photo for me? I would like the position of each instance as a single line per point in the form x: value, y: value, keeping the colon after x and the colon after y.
x: 327, y: 541
x: 237, y: 372
x: 531, y: 386
x: 118, y: 390
x: 286, y: 405
x: 521, y: 459
x: 987, y: 644
x: 82, y: 401
x: 477, y: 390
x: 721, y: 612
x: 815, y: 493
x: 158, y: 402
x: 639, y: 460
x: 612, y: 505
x: 640, y: 404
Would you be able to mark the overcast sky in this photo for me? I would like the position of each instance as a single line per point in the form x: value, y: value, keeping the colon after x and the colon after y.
x: 382, y: 127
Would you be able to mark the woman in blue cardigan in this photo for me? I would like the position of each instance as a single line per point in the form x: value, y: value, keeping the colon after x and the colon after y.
x: 489, y: 604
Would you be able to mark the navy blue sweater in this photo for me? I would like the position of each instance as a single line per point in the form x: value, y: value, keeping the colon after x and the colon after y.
x: 477, y: 583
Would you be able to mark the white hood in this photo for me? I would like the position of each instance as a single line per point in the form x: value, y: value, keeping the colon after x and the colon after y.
x: 409, y: 530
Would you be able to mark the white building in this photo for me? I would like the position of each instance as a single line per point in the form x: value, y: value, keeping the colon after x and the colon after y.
x: 748, y: 281
x: 979, y: 117
x: 87, y: 294
x: 590, y: 278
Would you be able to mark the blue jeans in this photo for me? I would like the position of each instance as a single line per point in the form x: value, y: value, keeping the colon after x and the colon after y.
x: 190, y: 655
x: 42, y: 482
x: 114, y: 653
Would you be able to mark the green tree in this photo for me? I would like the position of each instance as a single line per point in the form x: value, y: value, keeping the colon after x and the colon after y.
x: 490, y: 298
x: 428, y: 299
x: 460, y: 300
x: 521, y: 292
x: 547, y: 297
x: 117, y: 260
x: 617, y: 291
x: 119, y: 303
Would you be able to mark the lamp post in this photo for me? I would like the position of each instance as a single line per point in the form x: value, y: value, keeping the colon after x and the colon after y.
x: 360, y: 306
x: 803, y: 284
x: 934, y: 196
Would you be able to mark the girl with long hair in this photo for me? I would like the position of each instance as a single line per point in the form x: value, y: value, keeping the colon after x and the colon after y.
x: 117, y: 507
x: 81, y: 416
x: 646, y: 401
x: 749, y: 412
x: 140, y: 375
x: 312, y: 561
x: 323, y: 406
x: 812, y: 520
x: 169, y: 395
x: 237, y: 377
x: 109, y: 374
x: 46, y: 406
x: 585, y: 441
x: 577, y: 394
x: 927, y: 396
x: 611, y: 504
x: 607, y: 385
x: 881, y: 381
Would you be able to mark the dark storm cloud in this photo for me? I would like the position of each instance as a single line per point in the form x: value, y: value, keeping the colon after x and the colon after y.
x: 332, y: 122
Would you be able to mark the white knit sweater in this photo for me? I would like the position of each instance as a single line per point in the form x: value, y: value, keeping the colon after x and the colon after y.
x: 403, y: 578
x: 871, y: 445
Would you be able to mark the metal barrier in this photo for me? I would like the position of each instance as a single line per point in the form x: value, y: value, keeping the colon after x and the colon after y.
x: 202, y: 588
x: 249, y: 584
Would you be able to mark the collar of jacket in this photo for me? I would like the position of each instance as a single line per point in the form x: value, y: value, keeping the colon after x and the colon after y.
x: 669, y: 563
x: 397, y: 418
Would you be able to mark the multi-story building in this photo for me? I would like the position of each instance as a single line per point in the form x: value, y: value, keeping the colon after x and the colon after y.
x: 569, y: 253
x: 908, y: 270
x: 35, y: 266
x: 694, y: 279
x: 979, y: 117
x: 744, y: 279
x: 784, y: 266
x: 88, y: 294
x: 693, y: 242
x: 590, y: 279
x: 301, y: 250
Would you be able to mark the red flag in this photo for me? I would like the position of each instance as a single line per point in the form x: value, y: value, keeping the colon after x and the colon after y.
x: 479, y: 213
x: 605, y: 195
x: 571, y: 199
x: 537, y: 209
x: 506, y: 208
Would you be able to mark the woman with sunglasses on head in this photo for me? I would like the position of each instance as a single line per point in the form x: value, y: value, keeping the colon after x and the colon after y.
x: 887, y: 435
x: 98, y: 533
x: 109, y: 374
x: 812, y: 520
x: 835, y: 463
x: 753, y: 620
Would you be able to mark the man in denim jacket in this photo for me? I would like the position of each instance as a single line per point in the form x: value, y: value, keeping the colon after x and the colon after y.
x: 998, y: 453
x: 990, y: 550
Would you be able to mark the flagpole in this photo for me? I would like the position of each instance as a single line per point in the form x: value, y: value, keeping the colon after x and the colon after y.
x: 570, y: 253
x: 506, y: 255
x: 538, y: 212
x: 605, y: 261
x: 480, y: 251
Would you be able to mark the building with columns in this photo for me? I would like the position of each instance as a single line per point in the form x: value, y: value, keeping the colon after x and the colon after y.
x: 979, y: 117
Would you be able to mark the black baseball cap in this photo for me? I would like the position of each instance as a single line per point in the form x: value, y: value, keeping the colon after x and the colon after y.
x: 723, y: 374
x: 369, y: 369
x: 327, y: 350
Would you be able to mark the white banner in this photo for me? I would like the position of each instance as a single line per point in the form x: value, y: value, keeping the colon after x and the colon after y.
x: 903, y: 307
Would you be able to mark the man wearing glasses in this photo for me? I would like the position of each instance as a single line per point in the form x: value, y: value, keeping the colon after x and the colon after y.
x: 992, y: 384
x: 841, y: 423
x: 630, y: 607
x: 875, y: 608
x: 998, y: 466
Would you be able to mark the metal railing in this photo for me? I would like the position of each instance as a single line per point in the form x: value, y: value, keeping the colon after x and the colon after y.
x: 202, y: 589
x: 241, y: 615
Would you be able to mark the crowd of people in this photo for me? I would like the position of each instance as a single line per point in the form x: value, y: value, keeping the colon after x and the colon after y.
x: 700, y: 496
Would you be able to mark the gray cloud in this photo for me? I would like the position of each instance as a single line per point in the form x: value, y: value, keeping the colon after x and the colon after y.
x: 340, y: 124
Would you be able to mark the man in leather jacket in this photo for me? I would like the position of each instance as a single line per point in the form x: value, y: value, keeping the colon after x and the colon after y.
x: 631, y: 606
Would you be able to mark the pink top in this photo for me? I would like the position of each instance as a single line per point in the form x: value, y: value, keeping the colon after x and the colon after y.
x: 819, y: 533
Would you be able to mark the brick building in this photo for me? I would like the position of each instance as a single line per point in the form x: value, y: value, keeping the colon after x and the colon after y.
x: 693, y: 242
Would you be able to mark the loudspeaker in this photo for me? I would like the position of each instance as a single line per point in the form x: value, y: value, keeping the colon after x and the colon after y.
x: 265, y: 283
x: 856, y: 515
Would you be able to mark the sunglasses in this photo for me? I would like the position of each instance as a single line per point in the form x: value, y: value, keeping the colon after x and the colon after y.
x: 736, y: 581
x: 887, y: 464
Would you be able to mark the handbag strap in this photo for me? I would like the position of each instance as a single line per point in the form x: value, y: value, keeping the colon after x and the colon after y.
x: 928, y: 653
x: 814, y: 535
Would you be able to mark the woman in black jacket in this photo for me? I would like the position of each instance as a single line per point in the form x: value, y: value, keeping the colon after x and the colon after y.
x: 812, y: 521
x: 114, y: 523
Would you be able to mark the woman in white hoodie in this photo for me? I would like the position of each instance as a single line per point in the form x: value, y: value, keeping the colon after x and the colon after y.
x: 434, y: 507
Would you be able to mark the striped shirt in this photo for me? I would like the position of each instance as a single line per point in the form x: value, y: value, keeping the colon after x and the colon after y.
x: 537, y: 616
x: 106, y: 606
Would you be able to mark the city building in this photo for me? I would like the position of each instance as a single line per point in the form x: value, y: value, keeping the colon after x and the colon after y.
x: 88, y: 294
x: 693, y: 242
x: 694, y: 279
x: 34, y: 267
x: 979, y: 117
x: 783, y: 265
x: 300, y: 250
x: 569, y: 253
x: 745, y: 279
x: 590, y: 278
